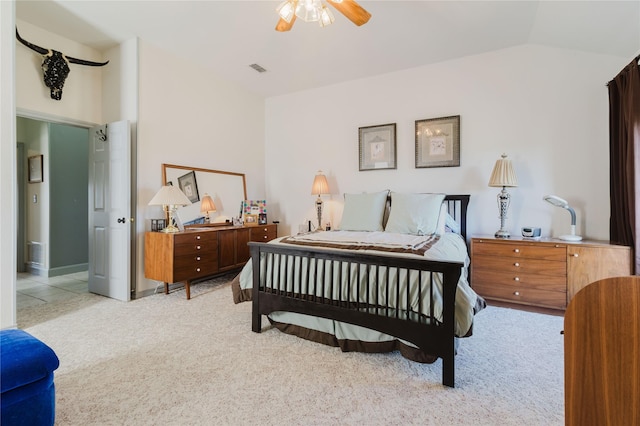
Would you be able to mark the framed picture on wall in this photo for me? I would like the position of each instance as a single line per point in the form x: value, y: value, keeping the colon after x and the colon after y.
x: 35, y: 168
x: 438, y: 142
x: 189, y: 186
x: 377, y: 146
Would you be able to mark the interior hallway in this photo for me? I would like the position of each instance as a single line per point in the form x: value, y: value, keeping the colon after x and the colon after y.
x: 35, y: 290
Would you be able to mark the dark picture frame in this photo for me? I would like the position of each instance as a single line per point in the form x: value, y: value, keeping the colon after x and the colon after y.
x: 438, y: 142
x: 34, y: 166
x: 377, y: 146
x: 189, y: 186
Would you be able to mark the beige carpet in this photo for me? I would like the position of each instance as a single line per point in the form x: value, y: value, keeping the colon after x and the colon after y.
x: 163, y: 360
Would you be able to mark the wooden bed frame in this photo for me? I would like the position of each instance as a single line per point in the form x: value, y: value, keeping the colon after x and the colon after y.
x: 433, y: 336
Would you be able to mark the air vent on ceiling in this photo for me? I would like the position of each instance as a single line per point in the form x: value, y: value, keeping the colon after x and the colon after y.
x: 257, y: 68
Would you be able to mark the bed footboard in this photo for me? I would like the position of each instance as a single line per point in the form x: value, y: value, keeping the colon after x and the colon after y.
x: 410, y: 299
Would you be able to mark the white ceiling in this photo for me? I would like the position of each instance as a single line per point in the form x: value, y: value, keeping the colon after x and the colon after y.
x: 228, y: 36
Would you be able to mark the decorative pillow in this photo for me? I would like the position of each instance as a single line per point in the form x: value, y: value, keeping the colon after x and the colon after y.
x: 415, y: 214
x: 363, y: 212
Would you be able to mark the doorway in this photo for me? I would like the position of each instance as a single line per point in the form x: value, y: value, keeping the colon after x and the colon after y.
x: 52, y: 234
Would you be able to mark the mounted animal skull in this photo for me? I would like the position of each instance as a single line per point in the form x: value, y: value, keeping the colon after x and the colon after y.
x: 55, y: 66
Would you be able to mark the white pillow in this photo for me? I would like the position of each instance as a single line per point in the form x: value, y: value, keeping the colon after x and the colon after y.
x: 363, y: 212
x: 451, y: 223
x: 442, y: 220
x: 415, y: 214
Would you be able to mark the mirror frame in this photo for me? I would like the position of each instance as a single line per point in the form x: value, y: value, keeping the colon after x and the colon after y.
x: 202, y: 170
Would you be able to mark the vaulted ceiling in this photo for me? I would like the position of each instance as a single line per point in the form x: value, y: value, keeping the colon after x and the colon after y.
x: 228, y: 36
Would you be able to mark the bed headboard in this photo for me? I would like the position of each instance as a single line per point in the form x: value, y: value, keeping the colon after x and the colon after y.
x: 457, y: 207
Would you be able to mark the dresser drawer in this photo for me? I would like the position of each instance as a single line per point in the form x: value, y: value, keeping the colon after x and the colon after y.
x: 519, y: 293
x: 194, y: 246
x: 191, y: 238
x: 519, y: 265
x: 192, y: 266
x: 557, y: 252
x: 508, y: 279
x: 263, y: 233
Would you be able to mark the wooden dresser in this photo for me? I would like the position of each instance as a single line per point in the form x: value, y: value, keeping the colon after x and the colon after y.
x: 545, y: 273
x: 199, y: 252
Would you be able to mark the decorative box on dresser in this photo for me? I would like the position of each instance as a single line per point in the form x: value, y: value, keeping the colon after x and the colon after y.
x: 544, y: 273
x: 199, y: 252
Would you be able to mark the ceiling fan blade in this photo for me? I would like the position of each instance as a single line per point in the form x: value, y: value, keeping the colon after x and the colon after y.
x: 351, y: 10
x: 283, y: 25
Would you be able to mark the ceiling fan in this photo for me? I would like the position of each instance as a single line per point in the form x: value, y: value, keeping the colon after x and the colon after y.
x: 316, y: 11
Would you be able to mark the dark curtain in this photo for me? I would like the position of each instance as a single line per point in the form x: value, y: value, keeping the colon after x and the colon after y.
x: 624, y: 158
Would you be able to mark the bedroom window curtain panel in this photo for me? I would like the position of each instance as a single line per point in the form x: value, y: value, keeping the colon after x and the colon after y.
x: 624, y: 159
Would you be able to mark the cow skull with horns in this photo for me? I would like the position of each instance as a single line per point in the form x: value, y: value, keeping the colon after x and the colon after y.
x: 55, y: 66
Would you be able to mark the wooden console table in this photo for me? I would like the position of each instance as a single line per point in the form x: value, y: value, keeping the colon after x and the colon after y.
x: 199, y: 252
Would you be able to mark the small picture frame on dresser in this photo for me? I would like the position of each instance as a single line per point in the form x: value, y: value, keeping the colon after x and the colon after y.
x: 262, y: 219
x: 158, y: 225
x: 250, y: 220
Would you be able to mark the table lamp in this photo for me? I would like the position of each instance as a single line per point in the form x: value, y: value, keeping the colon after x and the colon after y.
x: 503, y: 175
x: 170, y: 198
x: 207, y: 205
x: 559, y: 202
x: 319, y: 187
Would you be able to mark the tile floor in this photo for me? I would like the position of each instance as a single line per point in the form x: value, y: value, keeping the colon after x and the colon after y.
x: 35, y: 290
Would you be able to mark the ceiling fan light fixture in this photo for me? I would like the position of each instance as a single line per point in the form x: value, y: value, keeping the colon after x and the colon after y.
x: 309, y: 10
x: 318, y: 11
x: 326, y: 17
x: 286, y: 10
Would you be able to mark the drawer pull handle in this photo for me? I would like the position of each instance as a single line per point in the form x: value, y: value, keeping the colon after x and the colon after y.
x: 265, y: 237
x: 575, y: 255
x: 516, y: 264
x: 516, y: 279
x: 198, y: 247
x: 197, y: 269
x: 265, y: 229
x: 516, y: 251
x: 516, y: 293
x: 198, y: 258
x: 197, y: 237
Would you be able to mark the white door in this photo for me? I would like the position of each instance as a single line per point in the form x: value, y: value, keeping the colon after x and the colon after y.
x: 110, y: 216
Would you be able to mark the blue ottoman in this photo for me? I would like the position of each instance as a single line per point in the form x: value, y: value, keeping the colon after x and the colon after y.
x: 26, y: 380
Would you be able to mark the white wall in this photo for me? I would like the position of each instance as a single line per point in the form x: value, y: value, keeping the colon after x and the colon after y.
x: 546, y: 108
x: 8, y: 184
x: 189, y: 116
x: 82, y: 92
x: 35, y: 136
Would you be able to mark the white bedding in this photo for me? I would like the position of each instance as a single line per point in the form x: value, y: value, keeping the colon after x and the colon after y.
x: 449, y: 247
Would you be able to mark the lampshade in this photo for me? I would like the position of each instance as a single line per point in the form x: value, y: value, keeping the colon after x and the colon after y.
x: 169, y: 195
x: 320, y: 185
x: 503, y: 173
x: 207, y: 204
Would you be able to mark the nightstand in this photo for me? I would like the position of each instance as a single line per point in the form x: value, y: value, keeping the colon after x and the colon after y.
x: 544, y: 273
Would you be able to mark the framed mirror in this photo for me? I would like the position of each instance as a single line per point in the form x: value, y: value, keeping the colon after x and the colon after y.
x: 227, y: 189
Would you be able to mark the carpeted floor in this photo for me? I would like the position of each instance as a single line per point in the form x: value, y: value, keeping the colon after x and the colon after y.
x: 163, y: 360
